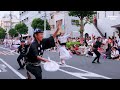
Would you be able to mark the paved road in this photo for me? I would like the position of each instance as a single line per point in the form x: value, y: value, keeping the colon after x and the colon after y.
x: 79, y: 67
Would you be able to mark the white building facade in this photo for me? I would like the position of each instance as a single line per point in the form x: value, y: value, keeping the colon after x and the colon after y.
x: 8, y: 22
x: 105, y: 21
x: 67, y: 22
x: 52, y: 17
x: 28, y: 16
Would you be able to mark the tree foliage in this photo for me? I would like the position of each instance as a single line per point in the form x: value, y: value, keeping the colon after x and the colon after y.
x: 21, y: 28
x: 81, y: 14
x: 84, y: 16
x: 2, y: 33
x: 39, y: 23
x: 13, y: 32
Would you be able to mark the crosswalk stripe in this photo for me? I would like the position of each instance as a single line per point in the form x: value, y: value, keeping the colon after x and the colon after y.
x: 2, y: 53
x: 15, y: 71
x: 6, y: 53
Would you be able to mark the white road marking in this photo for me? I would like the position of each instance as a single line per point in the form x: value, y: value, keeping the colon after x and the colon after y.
x: 3, y: 68
x: 9, y: 50
x: 78, y: 74
x: 2, y: 53
x: 72, y: 74
x: 15, y: 71
x: 89, y: 73
x: 8, y: 53
x: 82, y: 75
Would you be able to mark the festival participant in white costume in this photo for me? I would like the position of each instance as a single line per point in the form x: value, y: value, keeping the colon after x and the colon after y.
x: 64, y: 53
x: 5, y: 42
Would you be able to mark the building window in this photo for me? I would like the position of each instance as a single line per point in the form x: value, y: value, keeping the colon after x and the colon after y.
x: 113, y: 13
x: 51, y: 17
x: 75, y: 22
x: 20, y: 14
x: 98, y: 15
x: 57, y: 11
x: 39, y: 11
x: 105, y: 14
x: 52, y: 26
x: 27, y: 19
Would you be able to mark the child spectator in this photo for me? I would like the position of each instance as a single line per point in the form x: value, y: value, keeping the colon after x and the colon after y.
x: 114, y: 53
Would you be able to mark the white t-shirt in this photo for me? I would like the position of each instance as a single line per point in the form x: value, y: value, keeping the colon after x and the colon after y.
x: 64, y: 53
x: 119, y: 42
x: 104, y: 41
x: 4, y: 41
x: 86, y: 50
x: 10, y: 42
x: 63, y: 39
x: 13, y: 41
x: 115, y: 53
x: 26, y: 41
x: 74, y: 40
x: 89, y: 42
x: 17, y: 42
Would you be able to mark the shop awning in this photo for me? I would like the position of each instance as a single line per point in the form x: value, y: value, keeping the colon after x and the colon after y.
x: 116, y: 26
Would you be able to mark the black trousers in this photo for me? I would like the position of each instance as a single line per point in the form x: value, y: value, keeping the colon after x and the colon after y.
x: 35, y: 70
x: 62, y: 44
x: 20, y: 57
x: 115, y: 57
x: 90, y: 53
x: 97, y: 56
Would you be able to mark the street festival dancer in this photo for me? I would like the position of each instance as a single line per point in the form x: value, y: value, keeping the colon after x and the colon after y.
x: 64, y: 53
x: 36, y: 50
x: 22, y: 49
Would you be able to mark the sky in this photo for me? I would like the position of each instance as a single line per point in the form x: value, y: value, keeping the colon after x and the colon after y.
x: 7, y: 12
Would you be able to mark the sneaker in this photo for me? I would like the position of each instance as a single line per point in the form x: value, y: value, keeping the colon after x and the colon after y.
x: 59, y: 63
x: 87, y: 55
x: 63, y: 65
x: 98, y: 62
x: 93, y: 62
x: 20, y: 68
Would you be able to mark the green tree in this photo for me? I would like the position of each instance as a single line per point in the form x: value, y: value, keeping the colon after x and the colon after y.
x: 21, y: 28
x: 39, y: 23
x: 2, y: 33
x: 13, y: 33
x: 84, y: 16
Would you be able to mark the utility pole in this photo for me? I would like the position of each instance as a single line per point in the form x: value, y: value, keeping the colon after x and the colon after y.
x: 64, y: 21
x: 10, y: 15
x: 45, y: 25
x: 10, y: 19
x: 45, y: 22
